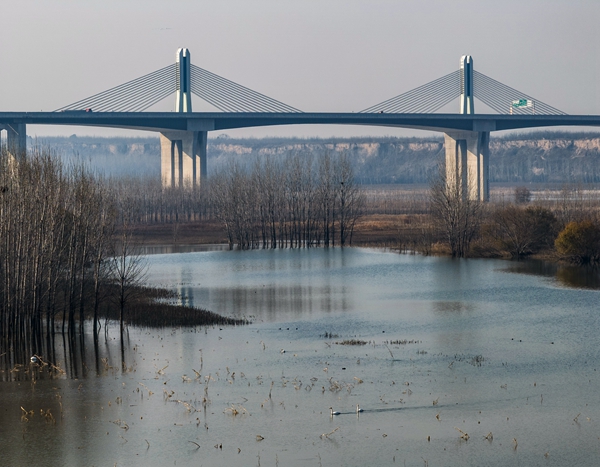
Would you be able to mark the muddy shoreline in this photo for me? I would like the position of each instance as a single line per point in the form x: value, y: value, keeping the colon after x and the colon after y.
x: 371, y: 230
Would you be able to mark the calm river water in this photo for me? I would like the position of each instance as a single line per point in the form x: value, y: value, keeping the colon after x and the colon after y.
x: 448, y: 347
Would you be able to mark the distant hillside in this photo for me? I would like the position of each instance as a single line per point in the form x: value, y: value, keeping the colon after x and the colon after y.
x: 535, y: 157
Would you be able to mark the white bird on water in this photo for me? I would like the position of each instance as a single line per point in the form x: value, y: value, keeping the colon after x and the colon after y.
x: 332, y: 412
x: 358, y: 409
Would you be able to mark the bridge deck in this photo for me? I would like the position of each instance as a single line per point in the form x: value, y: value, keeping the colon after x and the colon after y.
x: 208, y: 121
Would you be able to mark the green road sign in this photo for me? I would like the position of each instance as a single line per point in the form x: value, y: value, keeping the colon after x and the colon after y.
x: 522, y: 103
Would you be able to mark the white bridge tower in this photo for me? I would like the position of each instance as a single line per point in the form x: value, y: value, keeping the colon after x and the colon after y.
x: 183, y: 152
x: 467, y: 152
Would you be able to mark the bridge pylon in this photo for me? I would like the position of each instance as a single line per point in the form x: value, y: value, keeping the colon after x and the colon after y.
x: 183, y: 153
x: 183, y: 95
x: 467, y: 152
x: 466, y: 85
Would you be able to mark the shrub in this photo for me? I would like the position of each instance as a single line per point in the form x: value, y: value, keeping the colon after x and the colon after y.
x: 522, y: 195
x: 522, y: 232
x: 579, y: 242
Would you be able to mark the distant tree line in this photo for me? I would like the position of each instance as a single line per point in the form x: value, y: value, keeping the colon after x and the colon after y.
x: 562, y: 157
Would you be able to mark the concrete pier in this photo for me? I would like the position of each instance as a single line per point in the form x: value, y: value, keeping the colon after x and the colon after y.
x: 183, y: 158
x: 16, y: 138
x: 467, y: 163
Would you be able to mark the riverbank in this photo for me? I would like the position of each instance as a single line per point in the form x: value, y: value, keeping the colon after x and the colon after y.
x: 370, y: 230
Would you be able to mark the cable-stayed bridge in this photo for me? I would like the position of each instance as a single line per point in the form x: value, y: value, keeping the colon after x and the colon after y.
x: 183, y: 133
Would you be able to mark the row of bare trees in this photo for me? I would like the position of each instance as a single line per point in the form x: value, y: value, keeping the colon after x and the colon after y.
x: 150, y: 203
x: 298, y: 201
x: 58, y: 254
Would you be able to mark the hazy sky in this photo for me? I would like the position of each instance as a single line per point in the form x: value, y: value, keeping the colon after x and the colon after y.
x: 316, y: 55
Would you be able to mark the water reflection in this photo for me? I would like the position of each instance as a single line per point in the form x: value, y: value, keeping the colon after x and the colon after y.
x: 580, y: 277
x: 71, y: 356
x: 265, y: 284
x: 271, y: 303
x: 168, y: 249
x: 449, y: 324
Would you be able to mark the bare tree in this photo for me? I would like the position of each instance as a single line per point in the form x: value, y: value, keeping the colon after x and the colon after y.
x: 457, y: 216
x: 127, y: 266
x: 350, y: 198
x: 521, y: 231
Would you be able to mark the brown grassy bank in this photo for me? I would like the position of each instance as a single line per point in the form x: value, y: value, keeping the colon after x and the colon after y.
x: 384, y: 230
x: 155, y: 308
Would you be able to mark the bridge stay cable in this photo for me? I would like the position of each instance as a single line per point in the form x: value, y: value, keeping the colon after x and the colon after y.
x: 128, y: 90
x: 206, y: 90
x: 143, y: 92
x: 425, y: 99
x: 432, y: 96
x: 131, y: 100
x: 214, y: 98
x: 150, y: 101
x: 446, y: 89
x: 409, y: 101
x: 106, y: 100
x: 120, y: 90
x: 228, y: 99
x: 500, y: 97
x: 126, y: 98
x: 493, y: 96
x: 246, y: 99
x: 145, y: 96
x: 131, y: 95
x: 431, y: 101
x: 220, y: 98
x: 217, y: 99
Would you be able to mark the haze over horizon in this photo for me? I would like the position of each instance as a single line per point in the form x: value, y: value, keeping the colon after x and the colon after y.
x: 338, y: 55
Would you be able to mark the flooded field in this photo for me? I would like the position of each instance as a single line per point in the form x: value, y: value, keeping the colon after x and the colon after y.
x: 473, y: 362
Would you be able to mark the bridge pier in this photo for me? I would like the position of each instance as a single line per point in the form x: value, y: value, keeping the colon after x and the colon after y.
x: 183, y: 158
x: 467, y: 163
x: 16, y: 138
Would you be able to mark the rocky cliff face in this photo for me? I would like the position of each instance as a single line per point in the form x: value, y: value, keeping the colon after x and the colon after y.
x: 385, y: 161
x: 543, y: 157
x: 573, y: 160
x: 515, y: 159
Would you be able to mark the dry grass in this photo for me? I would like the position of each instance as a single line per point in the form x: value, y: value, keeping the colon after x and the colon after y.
x: 147, y: 309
